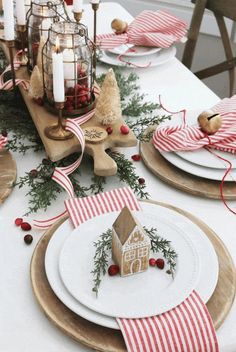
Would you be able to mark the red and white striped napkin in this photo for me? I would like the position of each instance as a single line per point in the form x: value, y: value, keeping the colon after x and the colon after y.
x: 159, y: 29
x: 184, y: 137
x: 186, y: 328
x: 3, y: 141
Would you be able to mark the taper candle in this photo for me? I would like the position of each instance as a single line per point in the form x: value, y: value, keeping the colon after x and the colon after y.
x: 58, y: 75
x: 78, y: 5
x: 9, y: 31
x: 20, y: 12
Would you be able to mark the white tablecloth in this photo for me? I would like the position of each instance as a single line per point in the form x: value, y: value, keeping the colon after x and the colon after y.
x: 23, y: 326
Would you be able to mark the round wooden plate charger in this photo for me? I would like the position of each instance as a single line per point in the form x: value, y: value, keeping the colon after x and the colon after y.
x: 180, y: 179
x: 7, y: 174
x: 109, y: 340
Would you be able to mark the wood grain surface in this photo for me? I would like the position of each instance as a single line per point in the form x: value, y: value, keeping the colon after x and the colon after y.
x: 104, y: 165
x: 109, y: 340
x: 182, y: 180
x: 7, y: 174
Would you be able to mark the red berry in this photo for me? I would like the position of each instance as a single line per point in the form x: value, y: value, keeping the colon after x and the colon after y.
x: 33, y: 173
x: 28, y: 239
x: 109, y: 130
x: 4, y: 133
x: 18, y: 221
x: 39, y: 101
x: 69, y: 100
x: 141, y: 181
x: 70, y: 91
x: 136, y: 157
x: 160, y: 263
x: 25, y: 226
x: 152, y: 262
x: 113, y: 270
x: 124, y: 129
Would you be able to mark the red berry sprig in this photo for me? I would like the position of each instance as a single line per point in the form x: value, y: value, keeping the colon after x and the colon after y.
x: 159, y: 263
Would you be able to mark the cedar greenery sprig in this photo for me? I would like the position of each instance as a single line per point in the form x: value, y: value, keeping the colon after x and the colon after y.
x: 103, y: 247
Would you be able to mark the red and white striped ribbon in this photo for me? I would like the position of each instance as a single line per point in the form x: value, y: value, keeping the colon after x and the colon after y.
x: 149, y: 28
x: 83, y: 209
x: 61, y: 174
x: 3, y: 141
x: 183, y: 137
x: 8, y: 85
x: 185, y: 328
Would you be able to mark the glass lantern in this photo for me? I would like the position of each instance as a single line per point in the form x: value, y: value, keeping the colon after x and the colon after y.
x: 78, y: 67
x: 39, y: 19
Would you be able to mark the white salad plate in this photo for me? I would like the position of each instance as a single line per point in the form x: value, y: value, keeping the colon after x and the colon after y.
x: 198, y: 170
x: 205, y: 286
x: 159, y: 58
x: 134, y: 51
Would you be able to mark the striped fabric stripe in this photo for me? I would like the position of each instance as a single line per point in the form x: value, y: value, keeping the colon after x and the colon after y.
x: 183, y: 137
x: 8, y: 85
x: 83, y: 209
x: 150, y: 28
x: 61, y: 174
x: 3, y: 141
x: 185, y: 328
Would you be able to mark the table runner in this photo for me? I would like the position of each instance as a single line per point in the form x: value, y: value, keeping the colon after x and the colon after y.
x: 185, y: 328
x: 149, y: 28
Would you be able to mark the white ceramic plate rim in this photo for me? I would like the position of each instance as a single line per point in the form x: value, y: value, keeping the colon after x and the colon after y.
x: 198, y: 170
x: 122, y: 50
x: 202, y: 157
x: 161, y: 57
x: 127, y: 297
x: 205, y: 287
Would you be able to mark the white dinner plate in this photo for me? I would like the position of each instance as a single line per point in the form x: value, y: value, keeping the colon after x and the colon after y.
x: 198, y: 170
x: 202, y: 156
x: 159, y: 58
x: 205, y: 287
x: 127, y: 297
x: 136, y: 51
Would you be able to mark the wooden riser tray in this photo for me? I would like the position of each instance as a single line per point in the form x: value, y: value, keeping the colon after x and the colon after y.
x: 104, y: 165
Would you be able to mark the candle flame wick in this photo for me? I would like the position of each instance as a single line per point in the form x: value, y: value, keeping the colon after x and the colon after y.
x: 57, y: 45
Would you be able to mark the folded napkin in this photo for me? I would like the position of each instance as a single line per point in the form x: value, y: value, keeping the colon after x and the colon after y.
x: 159, y: 29
x: 3, y: 141
x: 184, y: 137
x: 186, y: 328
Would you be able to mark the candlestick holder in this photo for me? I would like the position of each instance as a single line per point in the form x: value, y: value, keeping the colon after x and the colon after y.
x: 11, y: 44
x: 21, y: 29
x: 78, y: 15
x: 95, y: 7
x: 58, y: 132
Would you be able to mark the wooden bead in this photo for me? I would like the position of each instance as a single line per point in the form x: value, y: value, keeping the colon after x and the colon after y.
x: 209, y: 121
x: 119, y: 26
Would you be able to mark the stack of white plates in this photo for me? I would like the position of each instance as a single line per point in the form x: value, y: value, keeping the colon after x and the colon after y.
x: 201, y: 162
x: 69, y: 262
x: 137, y: 56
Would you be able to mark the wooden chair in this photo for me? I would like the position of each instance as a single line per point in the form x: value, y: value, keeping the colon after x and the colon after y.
x: 221, y: 9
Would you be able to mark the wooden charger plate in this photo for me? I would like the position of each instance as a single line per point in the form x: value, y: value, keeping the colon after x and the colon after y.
x: 109, y: 340
x: 182, y: 180
x: 7, y: 174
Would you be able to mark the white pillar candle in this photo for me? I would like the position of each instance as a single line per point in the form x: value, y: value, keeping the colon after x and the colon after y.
x: 77, y: 5
x: 20, y: 12
x: 58, y: 75
x: 70, y: 71
x: 45, y: 25
x: 9, y: 31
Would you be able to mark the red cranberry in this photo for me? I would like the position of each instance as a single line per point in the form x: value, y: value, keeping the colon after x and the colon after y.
x: 141, y: 181
x: 33, y: 173
x: 25, y: 226
x: 152, y: 262
x: 28, y: 239
x: 124, y: 129
x: 18, y: 221
x: 109, y: 130
x: 136, y: 157
x: 4, y: 133
x: 113, y: 270
x: 160, y: 263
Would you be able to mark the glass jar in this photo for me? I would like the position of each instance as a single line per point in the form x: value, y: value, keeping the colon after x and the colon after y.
x: 39, y: 19
x: 78, y: 69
